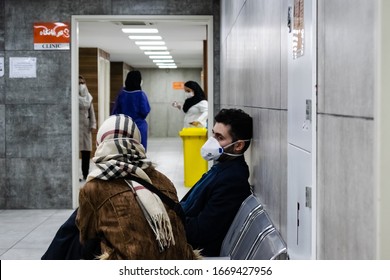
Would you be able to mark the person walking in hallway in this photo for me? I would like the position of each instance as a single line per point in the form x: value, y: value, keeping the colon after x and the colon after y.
x: 195, y: 106
x: 133, y: 102
x: 87, y: 122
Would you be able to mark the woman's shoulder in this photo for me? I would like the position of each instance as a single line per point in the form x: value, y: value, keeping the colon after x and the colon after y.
x: 203, y: 103
x: 162, y: 182
x: 97, y: 187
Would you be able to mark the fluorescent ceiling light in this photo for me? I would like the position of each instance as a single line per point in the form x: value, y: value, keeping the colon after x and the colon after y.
x: 157, y: 53
x: 139, y: 30
x: 160, y: 56
x: 163, y: 60
x: 173, y: 67
x: 145, y: 37
x: 160, y: 48
x: 161, y: 63
x: 149, y: 43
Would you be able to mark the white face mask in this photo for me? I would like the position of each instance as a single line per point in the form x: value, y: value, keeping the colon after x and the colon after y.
x: 189, y: 94
x: 82, y: 89
x: 211, y: 150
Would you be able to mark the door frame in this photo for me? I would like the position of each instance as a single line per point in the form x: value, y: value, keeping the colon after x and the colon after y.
x: 206, y: 20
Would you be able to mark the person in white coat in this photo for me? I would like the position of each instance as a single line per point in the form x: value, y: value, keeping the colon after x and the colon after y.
x: 195, y: 106
x: 87, y: 122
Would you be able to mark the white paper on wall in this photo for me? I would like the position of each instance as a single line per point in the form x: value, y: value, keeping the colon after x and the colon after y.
x: 22, y: 67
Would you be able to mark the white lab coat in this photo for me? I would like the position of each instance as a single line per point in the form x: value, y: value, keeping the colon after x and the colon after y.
x: 198, y: 112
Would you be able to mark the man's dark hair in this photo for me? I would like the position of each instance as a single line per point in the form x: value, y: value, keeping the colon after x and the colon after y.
x: 241, y: 124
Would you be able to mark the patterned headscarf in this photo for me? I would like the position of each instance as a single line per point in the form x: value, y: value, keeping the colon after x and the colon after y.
x: 119, y: 151
x: 119, y: 154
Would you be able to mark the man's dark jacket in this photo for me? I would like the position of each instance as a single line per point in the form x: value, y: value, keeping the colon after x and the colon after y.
x: 212, y: 203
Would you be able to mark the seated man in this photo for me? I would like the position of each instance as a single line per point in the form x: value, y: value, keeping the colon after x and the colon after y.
x: 212, y: 203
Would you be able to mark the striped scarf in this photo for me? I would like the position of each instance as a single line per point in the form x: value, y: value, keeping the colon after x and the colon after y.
x: 119, y: 154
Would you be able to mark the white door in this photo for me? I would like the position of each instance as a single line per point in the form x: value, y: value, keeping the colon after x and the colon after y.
x: 301, y: 129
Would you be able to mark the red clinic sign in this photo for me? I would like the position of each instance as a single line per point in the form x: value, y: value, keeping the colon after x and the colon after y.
x: 51, y: 36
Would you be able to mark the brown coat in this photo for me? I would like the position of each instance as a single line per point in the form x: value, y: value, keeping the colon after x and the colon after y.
x: 110, y: 208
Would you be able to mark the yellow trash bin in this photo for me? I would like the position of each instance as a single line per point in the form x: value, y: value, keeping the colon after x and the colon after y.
x: 194, y: 165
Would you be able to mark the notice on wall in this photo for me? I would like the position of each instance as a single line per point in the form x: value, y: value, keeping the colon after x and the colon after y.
x: 51, y: 36
x: 298, y: 29
x: 1, y: 66
x: 22, y: 67
x: 178, y: 85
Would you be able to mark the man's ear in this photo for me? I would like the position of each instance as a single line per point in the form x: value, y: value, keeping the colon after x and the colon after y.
x: 239, y: 145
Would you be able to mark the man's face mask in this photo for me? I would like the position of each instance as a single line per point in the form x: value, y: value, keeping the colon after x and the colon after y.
x: 211, y: 150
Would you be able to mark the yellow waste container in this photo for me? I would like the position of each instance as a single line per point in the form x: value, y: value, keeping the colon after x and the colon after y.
x: 194, y: 165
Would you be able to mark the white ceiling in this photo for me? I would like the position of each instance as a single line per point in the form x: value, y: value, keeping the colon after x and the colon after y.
x: 184, y: 40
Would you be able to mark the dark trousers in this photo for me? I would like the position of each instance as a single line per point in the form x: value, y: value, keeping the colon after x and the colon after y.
x: 85, y: 157
x: 66, y: 243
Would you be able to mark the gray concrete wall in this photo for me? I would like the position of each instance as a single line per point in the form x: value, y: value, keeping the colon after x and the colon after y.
x: 346, y: 147
x: 254, y: 78
x: 35, y: 113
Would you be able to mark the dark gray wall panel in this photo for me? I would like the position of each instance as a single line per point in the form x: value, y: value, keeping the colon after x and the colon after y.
x: 346, y: 57
x: 158, y: 7
x: 2, y: 22
x: 52, y: 84
x: 20, y: 16
x: 346, y: 199
x: 37, y: 183
x: 268, y: 158
x: 42, y: 131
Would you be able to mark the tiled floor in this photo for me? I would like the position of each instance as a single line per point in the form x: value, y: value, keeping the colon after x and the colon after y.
x: 26, y: 234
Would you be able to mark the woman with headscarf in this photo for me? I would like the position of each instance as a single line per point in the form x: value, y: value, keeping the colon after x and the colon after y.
x: 131, y: 221
x: 195, y: 106
x: 87, y: 122
x: 133, y: 102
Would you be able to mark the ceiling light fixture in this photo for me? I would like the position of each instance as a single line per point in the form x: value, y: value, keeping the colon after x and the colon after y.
x: 150, y: 43
x: 156, y: 53
x: 160, y: 56
x: 161, y: 63
x: 172, y: 67
x: 139, y: 30
x: 160, y: 48
x: 163, y: 60
x: 145, y: 37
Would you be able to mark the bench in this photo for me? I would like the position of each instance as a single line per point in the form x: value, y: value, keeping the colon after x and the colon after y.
x: 252, y: 235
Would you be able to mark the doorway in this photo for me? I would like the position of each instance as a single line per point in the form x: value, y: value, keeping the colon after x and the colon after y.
x: 207, y: 21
